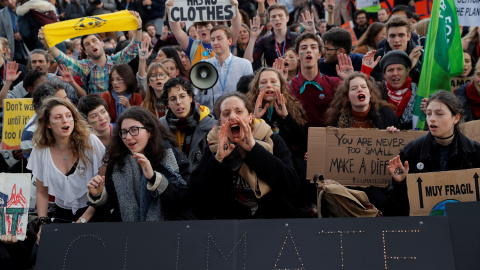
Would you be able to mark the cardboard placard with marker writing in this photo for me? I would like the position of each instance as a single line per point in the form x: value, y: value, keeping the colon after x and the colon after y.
x: 429, y: 192
x: 354, y: 156
x: 471, y: 129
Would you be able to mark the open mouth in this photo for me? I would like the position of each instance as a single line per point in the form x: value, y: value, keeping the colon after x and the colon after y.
x: 66, y: 128
x: 269, y: 92
x: 361, y: 97
x: 395, y: 80
x: 180, y: 110
x: 95, y: 50
x: 286, y: 64
x: 132, y: 144
x: 309, y: 58
x: 235, y: 130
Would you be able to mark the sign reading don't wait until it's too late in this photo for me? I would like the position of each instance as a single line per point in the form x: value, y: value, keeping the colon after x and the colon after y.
x: 201, y: 10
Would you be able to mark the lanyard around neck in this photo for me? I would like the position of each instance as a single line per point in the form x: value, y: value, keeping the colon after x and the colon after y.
x: 226, y: 75
x: 277, y: 48
x: 205, y: 52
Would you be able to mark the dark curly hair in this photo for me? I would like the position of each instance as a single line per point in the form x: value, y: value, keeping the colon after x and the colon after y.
x: 154, y: 150
x: 175, y: 82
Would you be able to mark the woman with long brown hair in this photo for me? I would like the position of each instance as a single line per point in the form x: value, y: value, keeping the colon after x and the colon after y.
x: 357, y: 103
x: 275, y: 104
x: 66, y: 155
x: 147, y: 174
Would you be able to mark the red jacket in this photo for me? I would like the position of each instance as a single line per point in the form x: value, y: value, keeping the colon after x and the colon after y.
x: 135, y: 100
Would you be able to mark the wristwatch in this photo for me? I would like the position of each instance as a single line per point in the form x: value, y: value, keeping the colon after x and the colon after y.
x: 82, y: 220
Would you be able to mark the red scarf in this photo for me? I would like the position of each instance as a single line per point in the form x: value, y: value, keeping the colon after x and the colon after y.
x: 400, y: 97
x: 473, y: 99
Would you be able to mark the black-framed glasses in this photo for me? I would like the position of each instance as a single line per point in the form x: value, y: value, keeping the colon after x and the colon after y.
x: 133, y: 132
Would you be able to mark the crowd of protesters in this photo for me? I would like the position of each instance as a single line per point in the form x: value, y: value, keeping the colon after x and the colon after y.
x: 122, y: 133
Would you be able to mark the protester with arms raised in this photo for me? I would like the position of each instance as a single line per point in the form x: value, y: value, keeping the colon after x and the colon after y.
x: 98, y: 67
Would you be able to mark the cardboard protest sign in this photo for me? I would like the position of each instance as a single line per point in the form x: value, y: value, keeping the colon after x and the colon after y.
x: 349, y: 27
x: 468, y: 12
x: 201, y: 10
x: 14, y: 200
x: 366, y: 3
x: 17, y: 112
x: 429, y: 192
x: 354, y: 156
x: 471, y: 129
x: 456, y: 82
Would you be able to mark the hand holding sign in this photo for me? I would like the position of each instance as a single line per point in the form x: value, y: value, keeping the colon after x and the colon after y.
x: 8, y: 239
x: 397, y: 169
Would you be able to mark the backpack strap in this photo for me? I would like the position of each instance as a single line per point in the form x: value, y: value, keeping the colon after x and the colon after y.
x: 194, y: 48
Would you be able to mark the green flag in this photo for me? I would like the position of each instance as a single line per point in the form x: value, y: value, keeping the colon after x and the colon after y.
x: 443, y: 56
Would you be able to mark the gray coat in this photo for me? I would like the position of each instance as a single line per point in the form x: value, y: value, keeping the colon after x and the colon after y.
x: 6, y: 29
x: 199, y: 139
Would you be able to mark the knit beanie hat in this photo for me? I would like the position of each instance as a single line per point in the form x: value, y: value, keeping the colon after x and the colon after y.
x: 395, y: 57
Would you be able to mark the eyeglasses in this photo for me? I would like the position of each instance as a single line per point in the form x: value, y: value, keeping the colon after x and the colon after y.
x: 95, y: 115
x: 332, y: 49
x: 133, y: 132
x: 155, y: 77
x: 173, y: 99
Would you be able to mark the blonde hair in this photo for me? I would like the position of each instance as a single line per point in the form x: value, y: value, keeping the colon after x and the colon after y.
x: 472, y: 35
x: 421, y: 27
x: 78, y: 142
